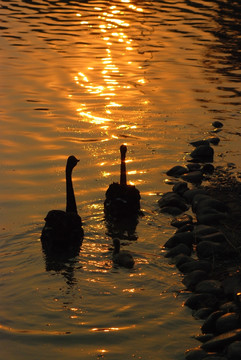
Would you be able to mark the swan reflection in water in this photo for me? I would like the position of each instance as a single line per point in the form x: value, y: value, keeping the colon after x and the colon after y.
x: 62, y: 234
x: 122, y: 205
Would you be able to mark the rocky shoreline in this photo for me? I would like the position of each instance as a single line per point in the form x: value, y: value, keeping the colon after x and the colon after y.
x: 206, y: 248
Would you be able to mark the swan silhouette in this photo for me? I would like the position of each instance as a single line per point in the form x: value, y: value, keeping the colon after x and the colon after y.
x: 122, y: 200
x: 63, y: 229
x: 122, y: 257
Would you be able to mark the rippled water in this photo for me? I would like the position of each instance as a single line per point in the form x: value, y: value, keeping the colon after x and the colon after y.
x: 83, y: 77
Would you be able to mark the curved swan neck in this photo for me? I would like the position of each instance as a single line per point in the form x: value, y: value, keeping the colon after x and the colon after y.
x: 123, y: 150
x: 70, y: 198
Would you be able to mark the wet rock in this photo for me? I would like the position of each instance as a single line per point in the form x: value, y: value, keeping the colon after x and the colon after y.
x: 171, y: 199
x: 203, y: 153
x: 171, y: 210
x: 196, y: 265
x: 209, y: 325
x: 214, y: 237
x: 204, y: 337
x: 197, y: 199
x: 208, y: 169
x: 182, y: 220
x: 232, y: 285
x: 214, y: 140
x: 197, y: 301
x: 219, y: 342
x: 215, y: 357
x: 234, y: 351
x: 209, y: 286
x: 199, y: 143
x: 187, y: 227
x: 194, y: 177
x: 217, y: 124
x: 229, y: 306
x: 210, y: 203
x: 179, y: 249
x: 180, y: 187
x: 209, y: 249
x: 193, y: 166
x: 203, y: 313
x: 195, y: 354
x: 180, y: 238
x: 202, y: 230
x: 176, y: 171
x: 192, y: 278
x: 190, y: 194
x: 182, y: 259
x: 228, y: 322
x: 211, y: 217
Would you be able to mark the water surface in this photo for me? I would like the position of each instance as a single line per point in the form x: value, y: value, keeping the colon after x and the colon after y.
x: 82, y: 78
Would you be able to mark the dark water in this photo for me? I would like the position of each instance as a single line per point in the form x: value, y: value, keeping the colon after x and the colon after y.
x: 82, y: 78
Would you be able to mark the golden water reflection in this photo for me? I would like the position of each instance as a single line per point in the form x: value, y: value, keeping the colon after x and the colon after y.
x: 115, y: 62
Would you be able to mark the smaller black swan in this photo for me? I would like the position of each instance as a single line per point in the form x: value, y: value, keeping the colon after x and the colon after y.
x: 122, y: 200
x: 122, y: 257
x: 63, y: 229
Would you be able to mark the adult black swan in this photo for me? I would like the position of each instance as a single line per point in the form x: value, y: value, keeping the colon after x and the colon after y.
x: 63, y: 229
x: 122, y: 200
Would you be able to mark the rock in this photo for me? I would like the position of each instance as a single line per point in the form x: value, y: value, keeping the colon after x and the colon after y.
x: 180, y: 238
x: 209, y: 249
x: 197, y: 301
x: 204, y: 337
x: 229, y: 306
x: 195, y: 354
x: 199, y: 142
x: 214, y: 140
x: 219, y: 342
x: 208, y: 169
x: 209, y: 217
x: 234, y: 351
x: 196, y: 265
x: 189, y: 194
x: 202, y: 230
x: 192, y: 278
x: 214, y: 237
x: 180, y: 187
x: 228, y: 322
x: 209, y: 286
x: 171, y: 199
x: 232, y: 284
x: 171, y: 210
x: 215, y: 357
x: 176, y: 171
x: 194, y: 177
x: 203, y: 313
x: 210, y: 203
x: 209, y: 325
x: 179, y: 249
x: 193, y: 166
x: 197, y: 198
x: 203, y: 153
x: 181, y: 259
x: 217, y: 124
x: 182, y: 220
x: 184, y: 228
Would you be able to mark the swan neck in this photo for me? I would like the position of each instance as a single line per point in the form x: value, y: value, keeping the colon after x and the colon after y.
x: 123, y: 171
x: 70, y: 198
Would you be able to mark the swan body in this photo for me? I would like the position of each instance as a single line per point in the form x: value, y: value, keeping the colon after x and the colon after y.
x: 63, y: 229
x: 122, y: 257
x: 122, y: 200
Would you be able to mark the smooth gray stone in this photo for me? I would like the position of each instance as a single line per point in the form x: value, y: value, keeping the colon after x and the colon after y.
x: 197, y: 301
x: 215, y: 237
x: 199, y: 142
x: 203, y: 153
x: 196, y: 265
x: 184, y: 238
x: 194, y: 177
x: 171, y: 210
x: 193, y: 166
x: 209, y: 286
x: 221, y: 341
x: 211, y: 218
x: 217, y: 124
x: 228, y: 322
x: 202, y: 230
x: 197, y: 198
x: 209, y: 325
x: 234, y: 351
x: 194, y: 277
x: 176, y: 171
x: 214, y: 140
x: 195, y: 354
x: 190, y: 194
x: 203, y: 313
x: 209, y: 249
x: 179, y: 249
x: 181, y: 259
x: 180, y: 187
x: 182, y: 220
x: 184, y: 228
x: 212, y: 204
x: 172, y: 199
x: 204, y: 337
x: 229, y: 306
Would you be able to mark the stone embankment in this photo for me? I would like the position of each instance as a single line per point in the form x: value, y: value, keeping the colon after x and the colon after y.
x: 206, y: 248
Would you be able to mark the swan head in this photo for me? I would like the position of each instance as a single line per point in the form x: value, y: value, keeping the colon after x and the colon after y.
x: 72, y: 162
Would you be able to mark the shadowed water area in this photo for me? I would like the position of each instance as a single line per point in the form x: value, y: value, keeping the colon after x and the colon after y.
x: 82, y: 78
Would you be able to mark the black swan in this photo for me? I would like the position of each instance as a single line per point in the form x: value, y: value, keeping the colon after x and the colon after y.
x: 122, y: 257
x: 63, y: 229
x: 122, y: 200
